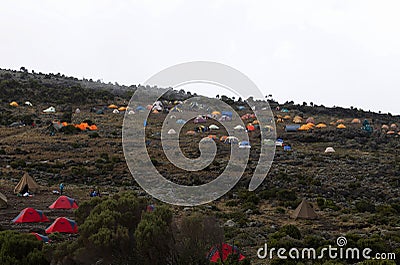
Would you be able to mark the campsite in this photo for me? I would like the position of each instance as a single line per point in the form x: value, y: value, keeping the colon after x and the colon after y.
x: 335, y: 173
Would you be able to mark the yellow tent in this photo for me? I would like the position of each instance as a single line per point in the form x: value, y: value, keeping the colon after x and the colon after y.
x: 112, y: 106
x: 14, y: 104
x: 321, y: 125
x: 304, y: 127
x: 216, y: 113
x: 341, y: 126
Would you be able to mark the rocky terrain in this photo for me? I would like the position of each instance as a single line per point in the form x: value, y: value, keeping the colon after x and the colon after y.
x: 354, y: 191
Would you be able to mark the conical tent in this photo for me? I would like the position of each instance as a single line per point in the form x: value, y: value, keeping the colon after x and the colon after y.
x: 30, y: 215
x: 3, y: 201
x: 27, y: 183
x: 64, y: 202
x: 63, y: 225
x: 304, y: 211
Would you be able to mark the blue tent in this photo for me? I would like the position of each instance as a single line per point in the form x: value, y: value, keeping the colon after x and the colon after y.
x: 140, y: 108
x: 241, y: 107
x: 227, y: 113
x: 279, y: 140
x: 180, y: 121
x: 287, y: 148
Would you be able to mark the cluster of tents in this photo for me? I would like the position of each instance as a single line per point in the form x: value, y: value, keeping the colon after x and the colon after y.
x: 83, y: 126
x: 393, y: 129
x: 15, y: 104
x: 30, y: 215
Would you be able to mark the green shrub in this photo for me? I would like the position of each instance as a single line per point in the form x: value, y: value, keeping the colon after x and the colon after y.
x: 364, y: 206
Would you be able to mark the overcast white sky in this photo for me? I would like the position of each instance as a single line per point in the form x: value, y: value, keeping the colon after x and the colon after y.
x: 344, y: 53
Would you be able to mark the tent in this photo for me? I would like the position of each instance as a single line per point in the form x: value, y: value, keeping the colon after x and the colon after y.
x: 340, y: 121
x: 40, y: 237
x: 221, y: 252
x: 122, y: 109
x: 27, y: 183
x: 304, y: 127
x: 216, y: 113
x: 3, y: 201
x: 171, y: 131
x: 241, y: 107
x: 238, y: 128
x: 225, y: 118
x: 231, y: 140
x: 64, y: 202
x: 63, y: 225
x: 355, y: 121
x: 115, y: 111
x: 180, y: 121
x: 112, y: 106
x: 14, y: 104
x: 292, y: 128
x: 310, y: 120
x: 191, y: 132
x: 250, y: 127
x: 341, y: 126
x: 200, y: 128
x: 287, y: 148
x: 286, y: 117
x: 227, y: 113
x: 30, y: 215
x: 297, y: 119
x: 244, y: 144
x: 213, y: 127
x: 391, y: 132
x: 28, y: 103
x: 393, y: 126
x: 304, y: 211
x: 199, y: 119
x: 321, y: 125
x: 385, y: 127
x: 212, y: 136
x: 330, y: 150
x: 140, y: 108
x: 50, y: 110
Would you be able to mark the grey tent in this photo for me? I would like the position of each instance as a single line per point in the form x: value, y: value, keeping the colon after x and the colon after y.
x: 304, y: 211
x: 3, y: 201
x: 292, y: 127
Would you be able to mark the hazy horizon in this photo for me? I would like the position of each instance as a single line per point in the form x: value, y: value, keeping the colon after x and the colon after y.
x: 334, y: 53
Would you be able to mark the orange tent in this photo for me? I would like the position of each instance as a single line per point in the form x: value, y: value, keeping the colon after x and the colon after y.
x: 212, y: 136
x: 321, y: 125
x: 14, y: 104
x: 341, y: 126
x: 304, y: 127
x: 64, y: 123
x: 93, y: 127
x: 190, y: 132
x: 223, y: 138
x: 112, y: 106
x: 122, y: 108
x: 356, y: 121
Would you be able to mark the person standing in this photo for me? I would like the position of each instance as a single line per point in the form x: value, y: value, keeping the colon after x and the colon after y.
x: 61, y: 188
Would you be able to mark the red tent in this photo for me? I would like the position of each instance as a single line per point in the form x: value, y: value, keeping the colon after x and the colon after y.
x: 40, y: 237
x: 30, y: 215
x: 214, y: 255
x: 64, y: 202
x: 63, y: 225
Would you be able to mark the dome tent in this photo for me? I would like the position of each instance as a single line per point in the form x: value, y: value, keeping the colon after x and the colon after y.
x: 30, y: 215
x: 330, y: 150
x: 64, y: 202
x: 63, y: 225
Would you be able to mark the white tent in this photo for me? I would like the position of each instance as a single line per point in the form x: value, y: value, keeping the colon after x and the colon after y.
x: 171, y: 131
x: 50, y: 110
x: 239, y: 128
x: 115, y: 111
x: 213, y: 127
x: 330, y: 150
x: 28, y: 103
